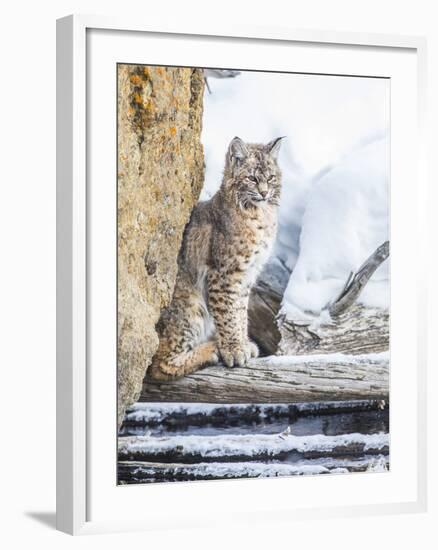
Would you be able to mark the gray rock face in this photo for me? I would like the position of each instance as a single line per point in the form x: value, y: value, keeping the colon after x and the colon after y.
x: 160, y: 176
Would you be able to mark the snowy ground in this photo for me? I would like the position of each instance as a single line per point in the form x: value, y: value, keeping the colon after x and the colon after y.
x: 334, y: 209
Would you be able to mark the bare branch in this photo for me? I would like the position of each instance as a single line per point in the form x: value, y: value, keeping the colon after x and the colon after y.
x: 355, y: 285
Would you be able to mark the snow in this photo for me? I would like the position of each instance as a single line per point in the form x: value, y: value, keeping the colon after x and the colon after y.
x: 334, y: 205
x: 248, y: 445
x: 346, y: 219
x: 378, y: 464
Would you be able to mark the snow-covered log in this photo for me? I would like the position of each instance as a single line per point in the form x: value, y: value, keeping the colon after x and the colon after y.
x: 335, y: 377
x: 149, y: 472
x: 193, y: 449
x: 176, y: 415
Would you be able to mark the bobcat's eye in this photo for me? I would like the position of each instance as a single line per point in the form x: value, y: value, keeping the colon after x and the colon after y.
x: 253, y: 179
x: 271, y: 179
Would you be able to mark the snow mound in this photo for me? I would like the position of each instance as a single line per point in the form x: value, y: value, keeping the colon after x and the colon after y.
x: 345, y: 220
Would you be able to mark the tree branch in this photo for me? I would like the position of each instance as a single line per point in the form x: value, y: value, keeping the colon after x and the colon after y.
x: 355, y: 284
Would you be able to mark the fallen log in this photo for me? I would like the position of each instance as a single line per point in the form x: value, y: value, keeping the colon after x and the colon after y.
x: 264, y: 304
x: 281, y: 379
x: 356, y: 330
x: 175, y: 415
x: 150, y: 472
x: 194, y: 449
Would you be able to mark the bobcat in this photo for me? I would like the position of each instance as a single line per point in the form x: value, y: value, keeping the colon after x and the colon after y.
x: 225, y: 245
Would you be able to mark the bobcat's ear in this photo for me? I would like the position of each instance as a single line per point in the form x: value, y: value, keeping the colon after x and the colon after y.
x: 273, y: 147
x: 237, y: 150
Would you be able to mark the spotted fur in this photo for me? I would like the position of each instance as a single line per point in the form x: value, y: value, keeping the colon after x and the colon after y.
x: 224, y: 248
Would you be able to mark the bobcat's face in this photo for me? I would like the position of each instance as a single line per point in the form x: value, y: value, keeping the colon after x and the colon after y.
x: 254, y: 176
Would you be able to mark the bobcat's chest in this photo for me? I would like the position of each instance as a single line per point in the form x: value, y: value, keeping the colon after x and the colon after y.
x: 260, y: 240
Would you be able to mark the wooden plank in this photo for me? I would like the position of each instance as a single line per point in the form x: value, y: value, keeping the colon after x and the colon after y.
x: 280, y: 380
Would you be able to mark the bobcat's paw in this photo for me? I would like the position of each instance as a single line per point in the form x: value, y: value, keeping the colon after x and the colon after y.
x: 252, y: 349
x: 211, y: 354
x: 236, y: 356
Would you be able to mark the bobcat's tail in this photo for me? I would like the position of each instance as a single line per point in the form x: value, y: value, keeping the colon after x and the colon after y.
x: 175, y: 366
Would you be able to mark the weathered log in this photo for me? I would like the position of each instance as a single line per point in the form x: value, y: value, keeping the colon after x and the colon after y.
x: 150, y: 472
x: 264, y: 304
x: 280, y: 380
x: 365, y: 422
x: 175, y: 415
x: 358, y: 330
x: 193, y: 449
x: 262, y: 311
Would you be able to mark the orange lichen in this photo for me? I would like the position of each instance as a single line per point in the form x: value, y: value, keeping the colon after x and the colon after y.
x: 172, y: 131
x: 136, y: 80
x: 136, y: 98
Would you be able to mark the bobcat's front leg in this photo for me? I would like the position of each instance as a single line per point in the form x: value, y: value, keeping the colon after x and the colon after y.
x: 251, y: 347
x: 228, y: 302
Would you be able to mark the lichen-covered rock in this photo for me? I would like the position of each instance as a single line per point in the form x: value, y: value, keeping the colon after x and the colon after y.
x: 160, y: 176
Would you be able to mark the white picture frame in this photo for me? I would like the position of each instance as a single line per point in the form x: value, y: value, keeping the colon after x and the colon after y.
x: 75, y: 398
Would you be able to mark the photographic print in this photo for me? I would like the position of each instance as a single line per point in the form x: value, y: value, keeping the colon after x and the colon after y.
x: 253, y: 274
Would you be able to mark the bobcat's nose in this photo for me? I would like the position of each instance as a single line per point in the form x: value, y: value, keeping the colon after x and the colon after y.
x: 263, y: 194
